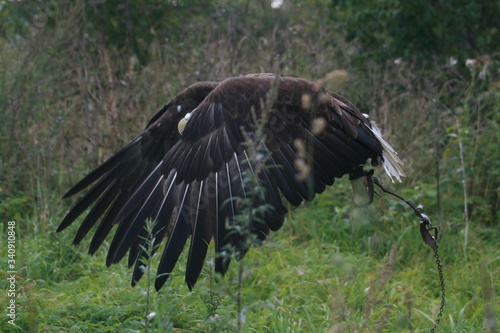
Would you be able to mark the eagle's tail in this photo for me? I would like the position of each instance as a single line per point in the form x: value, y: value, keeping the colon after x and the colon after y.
x: 390, y: 160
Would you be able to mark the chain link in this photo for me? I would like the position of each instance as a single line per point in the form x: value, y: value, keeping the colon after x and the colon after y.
x: 443, y: 290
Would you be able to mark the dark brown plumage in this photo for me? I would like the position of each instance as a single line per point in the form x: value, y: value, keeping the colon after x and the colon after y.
x: 193, y: 183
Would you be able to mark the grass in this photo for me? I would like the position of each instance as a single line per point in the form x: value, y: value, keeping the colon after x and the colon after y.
x: 331, y: 268
x: 328, y: 270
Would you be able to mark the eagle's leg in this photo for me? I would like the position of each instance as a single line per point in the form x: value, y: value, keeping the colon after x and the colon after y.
x: 362, y: 186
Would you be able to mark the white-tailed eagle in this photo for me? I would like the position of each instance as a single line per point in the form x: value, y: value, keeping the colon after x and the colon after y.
x: 191, y: 169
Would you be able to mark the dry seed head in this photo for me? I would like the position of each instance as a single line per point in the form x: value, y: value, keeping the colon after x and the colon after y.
x: 301, y: 148
x: 306, y: 102
x: 318, y: 126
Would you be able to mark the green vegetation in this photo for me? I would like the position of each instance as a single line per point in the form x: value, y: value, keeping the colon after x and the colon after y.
x: 82, y: 78
x: 419, y: 28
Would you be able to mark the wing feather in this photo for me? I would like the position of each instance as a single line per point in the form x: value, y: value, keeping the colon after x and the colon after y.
x: 177, y: 239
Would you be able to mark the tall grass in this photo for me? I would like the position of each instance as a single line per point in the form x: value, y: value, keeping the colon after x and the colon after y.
x: 331, y: 268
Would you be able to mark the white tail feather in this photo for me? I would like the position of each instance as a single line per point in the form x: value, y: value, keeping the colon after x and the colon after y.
x: 390, y: 160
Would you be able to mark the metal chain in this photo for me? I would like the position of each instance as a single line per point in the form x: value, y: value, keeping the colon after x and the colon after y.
x: 443, y: 290
x: 431, y: 240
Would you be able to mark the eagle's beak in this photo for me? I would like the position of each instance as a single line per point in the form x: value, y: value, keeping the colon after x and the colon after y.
x: 183, y: 122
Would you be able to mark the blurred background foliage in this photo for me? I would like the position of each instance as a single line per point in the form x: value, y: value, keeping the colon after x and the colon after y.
x: 81, y: 78
x: 420, y: 29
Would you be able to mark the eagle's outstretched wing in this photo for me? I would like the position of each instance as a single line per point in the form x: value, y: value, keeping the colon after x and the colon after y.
x: 241, y: 132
